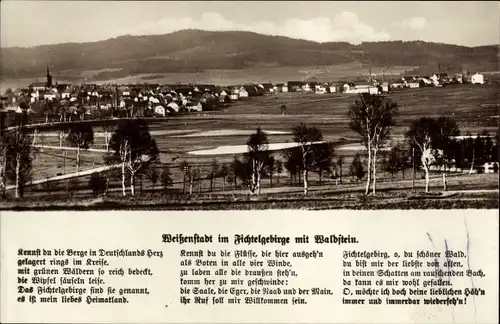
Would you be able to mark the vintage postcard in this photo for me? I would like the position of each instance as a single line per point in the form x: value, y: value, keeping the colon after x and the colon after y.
x: 342, y: 115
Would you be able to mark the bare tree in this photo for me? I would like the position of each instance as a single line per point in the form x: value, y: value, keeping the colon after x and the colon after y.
x: 279, y: 169
x: 312, y: 154
x: 420, y: 135
x: 447, y: 129
x: 223, y: 173
x: 257, y: 156
x: 372, y: 117
x: 81, y: 136
x: 166, y: 178
x: 17, y: 154
x: 213, y: 173
x: 133, y: 143
x: 340, y: 164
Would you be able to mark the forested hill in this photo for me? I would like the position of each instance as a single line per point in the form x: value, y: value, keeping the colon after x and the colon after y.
x: 196, y: 50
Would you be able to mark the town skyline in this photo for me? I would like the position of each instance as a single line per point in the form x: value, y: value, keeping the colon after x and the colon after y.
x: 460, y: 23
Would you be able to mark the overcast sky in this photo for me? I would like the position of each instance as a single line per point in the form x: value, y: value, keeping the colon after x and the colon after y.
x: 29, y: 23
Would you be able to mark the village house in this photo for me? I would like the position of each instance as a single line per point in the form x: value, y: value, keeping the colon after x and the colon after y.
x: 173, y: 106
x: 477, y: 78
x: 160, y: 111
x: 243, y: 93
x: 306, y: 88
x: 195, y: 106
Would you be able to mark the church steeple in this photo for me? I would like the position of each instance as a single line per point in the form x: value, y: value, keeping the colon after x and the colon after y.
x: 49, y: 79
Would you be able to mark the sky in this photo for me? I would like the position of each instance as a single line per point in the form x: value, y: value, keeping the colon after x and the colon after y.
x: 31, y: 23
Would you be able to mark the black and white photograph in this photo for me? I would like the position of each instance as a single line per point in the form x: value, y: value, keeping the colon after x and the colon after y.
x: 245, y: 105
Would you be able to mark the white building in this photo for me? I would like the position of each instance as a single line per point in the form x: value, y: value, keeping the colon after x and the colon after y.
x: 284, y: 88
x: 159, y: 110
x: 174, y: 106
x: 243, y: 93
x: 477, y: 79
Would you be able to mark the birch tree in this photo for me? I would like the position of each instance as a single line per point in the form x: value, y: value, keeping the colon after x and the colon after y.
x: 372, y: 117
x: 445, y: 143
x: 17, y: 163
x: 133, y: 143
x: 81, y: 135
x: 312, y: 154
x: 420, y: 136
x: 256, y: 157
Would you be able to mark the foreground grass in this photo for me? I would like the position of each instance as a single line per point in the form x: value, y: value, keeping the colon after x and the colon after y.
x: 383, y: 200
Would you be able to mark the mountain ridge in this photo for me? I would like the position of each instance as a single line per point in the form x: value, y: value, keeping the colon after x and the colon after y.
x: 193, y: 50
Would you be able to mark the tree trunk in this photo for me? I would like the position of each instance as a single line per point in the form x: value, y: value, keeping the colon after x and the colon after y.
x: 191, y: 180
x: 445, y: 185
x: 472, y: 164
x: 374, y: 166
x: 107, y: 185
x: 426, y: 170
x: 223, y: 184
x: 18, y: 175
x: 278, y: 179
x: 3, y: 183
x: 369, y: 176
x: 184, y: 183
x: 320, y: 172
x: 305, y: 174
x: 77, y: 158
x: 132, y: 183
x: 124, y: 190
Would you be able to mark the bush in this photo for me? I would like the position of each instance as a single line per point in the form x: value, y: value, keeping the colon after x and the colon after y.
x: 97, y: 183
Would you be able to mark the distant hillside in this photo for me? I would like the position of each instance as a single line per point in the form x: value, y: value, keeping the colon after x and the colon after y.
x: 196, y: 50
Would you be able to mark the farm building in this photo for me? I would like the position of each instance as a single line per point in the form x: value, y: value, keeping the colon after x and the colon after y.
x: 233, y: 96
x: 477, y: 79
x: 284, y: 88
x: 413, y: 84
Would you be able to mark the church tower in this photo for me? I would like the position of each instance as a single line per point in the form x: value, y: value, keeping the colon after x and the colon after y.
x: 49, y: 79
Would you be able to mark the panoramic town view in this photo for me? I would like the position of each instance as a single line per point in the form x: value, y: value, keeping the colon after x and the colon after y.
x: 238, y: 116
